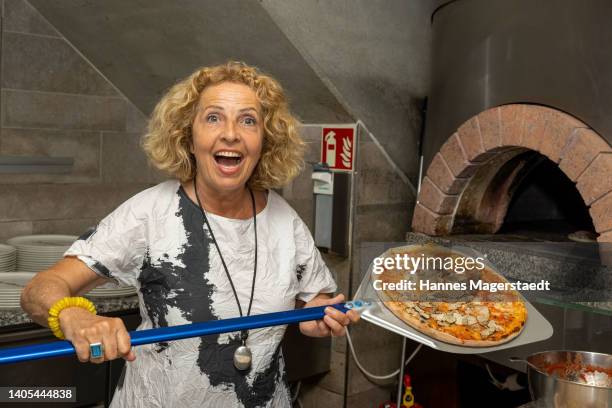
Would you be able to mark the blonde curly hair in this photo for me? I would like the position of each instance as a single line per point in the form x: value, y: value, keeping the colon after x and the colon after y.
x: 168, y: 140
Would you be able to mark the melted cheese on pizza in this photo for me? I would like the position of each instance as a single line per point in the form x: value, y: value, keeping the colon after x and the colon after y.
x: 470, y: 320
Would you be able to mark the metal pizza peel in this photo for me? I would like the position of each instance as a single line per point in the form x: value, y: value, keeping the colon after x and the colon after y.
x: 373, y: 310
x: 149, y: 336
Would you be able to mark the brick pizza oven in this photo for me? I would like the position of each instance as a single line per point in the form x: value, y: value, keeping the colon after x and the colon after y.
x: 519, y: 120
x: 517, y: 157
x: 470, y: 182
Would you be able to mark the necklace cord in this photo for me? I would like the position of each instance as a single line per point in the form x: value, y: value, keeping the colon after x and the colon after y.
x: 244, y: 334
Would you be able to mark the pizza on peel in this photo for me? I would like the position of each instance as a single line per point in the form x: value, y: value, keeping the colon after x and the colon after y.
x: 472, y: 317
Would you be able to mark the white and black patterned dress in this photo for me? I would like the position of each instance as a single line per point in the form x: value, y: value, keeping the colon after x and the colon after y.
x: 158, y: 242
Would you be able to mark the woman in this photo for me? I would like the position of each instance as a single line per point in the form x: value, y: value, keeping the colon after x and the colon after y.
x: 214, y: 243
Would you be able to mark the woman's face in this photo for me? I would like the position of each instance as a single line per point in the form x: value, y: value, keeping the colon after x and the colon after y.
x: 227, y: 136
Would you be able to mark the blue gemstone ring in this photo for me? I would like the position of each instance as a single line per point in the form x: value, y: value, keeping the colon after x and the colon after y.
x: 96, y: 350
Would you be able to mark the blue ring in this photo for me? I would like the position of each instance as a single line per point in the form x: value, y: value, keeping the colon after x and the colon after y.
x: 96, y: 350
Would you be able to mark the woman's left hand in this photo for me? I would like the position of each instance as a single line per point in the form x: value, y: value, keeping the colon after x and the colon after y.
x: 334, y: 321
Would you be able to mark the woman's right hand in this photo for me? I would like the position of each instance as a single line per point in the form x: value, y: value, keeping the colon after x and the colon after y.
x: 83, y: 328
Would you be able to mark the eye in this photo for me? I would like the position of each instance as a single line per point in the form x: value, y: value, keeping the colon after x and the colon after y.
x: 212, y: 118
x: 249, y: 121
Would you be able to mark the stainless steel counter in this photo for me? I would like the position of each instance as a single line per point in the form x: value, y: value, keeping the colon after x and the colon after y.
x: 18, y: 316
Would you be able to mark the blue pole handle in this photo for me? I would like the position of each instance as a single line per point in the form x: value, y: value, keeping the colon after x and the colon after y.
x: 140, y: 337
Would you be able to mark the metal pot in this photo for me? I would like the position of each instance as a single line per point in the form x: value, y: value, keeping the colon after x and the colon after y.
x: 557, y: 379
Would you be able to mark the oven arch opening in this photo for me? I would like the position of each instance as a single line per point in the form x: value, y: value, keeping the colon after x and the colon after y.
x: 470, y: 182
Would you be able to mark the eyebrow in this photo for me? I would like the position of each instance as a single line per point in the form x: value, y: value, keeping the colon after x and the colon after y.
x: 221, y: 108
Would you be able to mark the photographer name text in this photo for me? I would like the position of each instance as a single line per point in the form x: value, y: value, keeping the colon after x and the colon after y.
x: 425, y: 285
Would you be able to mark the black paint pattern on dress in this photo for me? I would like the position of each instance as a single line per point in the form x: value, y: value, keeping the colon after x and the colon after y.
x: 87, y: 234
x: 192, y: 294
x: 97, y: 265
x: 161, y: 346
x: 301, y: 268
x: 102, y: 269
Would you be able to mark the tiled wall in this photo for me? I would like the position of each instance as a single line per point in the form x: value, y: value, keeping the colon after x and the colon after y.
x: 327, y: 390
x: 383, y: 210
x: 55, y: 104
x: 382, y: 213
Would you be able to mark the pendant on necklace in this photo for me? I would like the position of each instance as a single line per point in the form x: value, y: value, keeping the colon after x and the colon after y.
x: 242, y: 357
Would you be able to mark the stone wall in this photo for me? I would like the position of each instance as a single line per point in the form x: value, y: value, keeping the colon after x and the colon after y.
x: 374, y: 56
x: 380, y: 214
x: 56, y: 104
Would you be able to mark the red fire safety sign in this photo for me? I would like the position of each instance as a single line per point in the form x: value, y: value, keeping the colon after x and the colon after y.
x: 338, y: 147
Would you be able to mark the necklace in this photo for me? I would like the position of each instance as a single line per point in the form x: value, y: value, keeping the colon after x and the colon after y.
x: 242, y: 355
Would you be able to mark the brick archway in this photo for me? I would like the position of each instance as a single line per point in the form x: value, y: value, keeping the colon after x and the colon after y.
x: 469, y: 183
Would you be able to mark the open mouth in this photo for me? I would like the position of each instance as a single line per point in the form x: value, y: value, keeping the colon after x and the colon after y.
x: 227, y: 158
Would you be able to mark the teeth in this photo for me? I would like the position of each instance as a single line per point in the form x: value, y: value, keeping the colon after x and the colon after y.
x: 228, y: 154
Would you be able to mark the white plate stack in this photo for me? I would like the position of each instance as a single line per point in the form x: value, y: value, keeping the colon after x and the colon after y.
x: 8, y: 258
x: 36, y: 253
x: 111, y: 290
x: 11, y: 285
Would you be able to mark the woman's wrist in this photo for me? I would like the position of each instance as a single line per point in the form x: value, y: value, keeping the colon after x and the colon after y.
x: 71, y: 318
x: 70, y: 313
x: 66, y: 307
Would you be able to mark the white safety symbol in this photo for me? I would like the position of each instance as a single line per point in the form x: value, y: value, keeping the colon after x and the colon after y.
x: 330, y: 154
x: 346, y: 152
